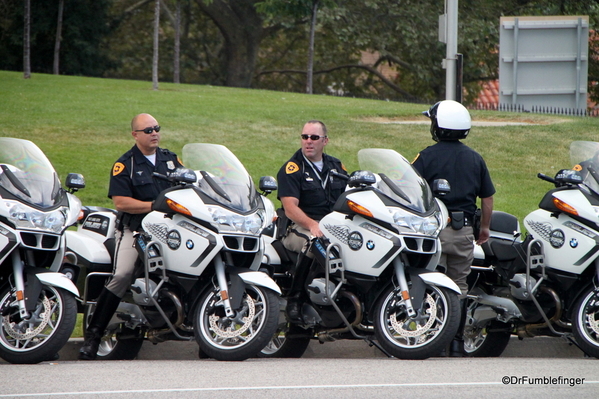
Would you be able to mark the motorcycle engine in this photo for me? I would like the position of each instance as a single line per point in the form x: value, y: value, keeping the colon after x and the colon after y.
x: 318, y: 291
x: 140, y: 291
x: 518, y: 286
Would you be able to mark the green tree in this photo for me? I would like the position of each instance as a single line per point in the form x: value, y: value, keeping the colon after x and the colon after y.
x: 81, y: 48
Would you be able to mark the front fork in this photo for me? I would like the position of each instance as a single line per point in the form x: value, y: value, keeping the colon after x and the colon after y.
x: 18, y: 267
x: 400, y: 273
x: 223, y: 285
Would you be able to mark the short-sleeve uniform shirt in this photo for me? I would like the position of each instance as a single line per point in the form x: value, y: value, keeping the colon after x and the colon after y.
x: 464, y: 169
x: 132, y: 174
x: 317, y: 191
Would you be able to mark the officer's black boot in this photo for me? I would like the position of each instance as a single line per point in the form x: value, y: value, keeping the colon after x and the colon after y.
x: 456, y: 348
x: 295, y: 296
x: 105, y: 308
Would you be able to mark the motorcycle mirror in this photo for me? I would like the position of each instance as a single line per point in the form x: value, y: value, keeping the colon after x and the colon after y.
x: 441, y: 187
x: 567, y: 177
x: 75, y: 181
x: 361, y: 178
x: 267, y: 184
x: 183, y: 175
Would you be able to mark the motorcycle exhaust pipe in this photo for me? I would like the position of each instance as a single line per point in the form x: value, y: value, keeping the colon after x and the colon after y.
x: 531, y: 330
x: 154, y: 336
x: 325, y: 336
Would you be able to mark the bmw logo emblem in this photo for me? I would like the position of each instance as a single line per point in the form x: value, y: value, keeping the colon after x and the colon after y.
x: 189, y: 244
x: 573, y: 243
x: 370, y: 245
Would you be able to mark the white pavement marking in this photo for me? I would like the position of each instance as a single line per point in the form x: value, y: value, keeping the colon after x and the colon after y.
x: 266, y: 388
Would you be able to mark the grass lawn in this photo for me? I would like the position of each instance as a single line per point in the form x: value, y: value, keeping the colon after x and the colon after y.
x: 82, y: 124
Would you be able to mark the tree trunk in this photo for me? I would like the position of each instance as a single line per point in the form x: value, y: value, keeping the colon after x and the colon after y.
x: 176, y: 78
x: 26, y: 41
x: 310, y: 68
x: 58, y: 37
x: 241, y: 27
x: 155, y: 56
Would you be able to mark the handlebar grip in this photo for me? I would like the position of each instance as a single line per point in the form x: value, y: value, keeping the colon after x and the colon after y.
x: 546, y: 178
x: 337, y: 174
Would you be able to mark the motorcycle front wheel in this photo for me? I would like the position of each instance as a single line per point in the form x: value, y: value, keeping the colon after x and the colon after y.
x: 123, y: 344
x: 422, y: 336
x: 40, y: 336
x: 585, y: 322
x: 242, y: 335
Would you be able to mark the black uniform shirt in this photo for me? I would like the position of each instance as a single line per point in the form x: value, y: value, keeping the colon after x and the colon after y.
x: 462, y: 167
x: 132, y: 177
x: 316, y: 192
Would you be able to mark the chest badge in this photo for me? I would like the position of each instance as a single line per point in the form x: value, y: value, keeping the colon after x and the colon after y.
x: 170, y: 165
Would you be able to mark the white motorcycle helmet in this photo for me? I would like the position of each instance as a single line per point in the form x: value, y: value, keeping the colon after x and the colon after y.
x: 450, y: 120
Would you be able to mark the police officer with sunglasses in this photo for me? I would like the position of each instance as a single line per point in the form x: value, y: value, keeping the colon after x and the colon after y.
x: 307, y: 192
x: 132, y: 189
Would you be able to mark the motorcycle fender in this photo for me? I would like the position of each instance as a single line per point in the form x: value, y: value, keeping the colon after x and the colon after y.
x: 238, y: 279
x: 58, y: 280
x: 439, y: 279
x: 260, y: 278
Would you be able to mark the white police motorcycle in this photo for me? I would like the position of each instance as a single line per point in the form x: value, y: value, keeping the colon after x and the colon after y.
x: 547, y: 283
x: 374, y: 277
x: 38, y: 308
x: 200, y: 253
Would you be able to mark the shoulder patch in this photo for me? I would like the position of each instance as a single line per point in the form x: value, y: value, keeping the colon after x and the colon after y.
x: 291, y: 168
x: 417, y: 156
x: 343, y: 167
x: 577, y: 168
x: 117, y: 168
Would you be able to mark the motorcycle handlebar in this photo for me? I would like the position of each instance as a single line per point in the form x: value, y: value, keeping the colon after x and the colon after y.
x: 160, y: 176
x: 339, y: 175
x: 546, y: 178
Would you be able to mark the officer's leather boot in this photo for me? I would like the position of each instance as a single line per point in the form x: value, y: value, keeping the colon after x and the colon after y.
x: 106, y: 306
x: 456, y: 348
x: 295, y: 296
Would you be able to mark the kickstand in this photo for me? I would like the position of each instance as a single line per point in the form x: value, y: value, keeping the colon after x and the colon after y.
x: 572, y: 341
x: 370, y: 342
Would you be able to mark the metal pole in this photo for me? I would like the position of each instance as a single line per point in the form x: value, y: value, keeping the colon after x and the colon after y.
x: 452, y: 48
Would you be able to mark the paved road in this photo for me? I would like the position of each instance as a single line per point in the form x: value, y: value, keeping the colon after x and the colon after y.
x: 546, y: 367
x: 308, y: 377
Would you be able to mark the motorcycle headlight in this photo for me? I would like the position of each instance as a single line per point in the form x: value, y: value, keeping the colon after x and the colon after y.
x: 231, y: 221
x: 28, y: 218
x: 429, y: 225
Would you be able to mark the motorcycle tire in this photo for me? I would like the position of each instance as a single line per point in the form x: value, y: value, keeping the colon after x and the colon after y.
x: 420, y: 337
x: 287, y: 342
x: 481, y: 342
x: 239, y: 337
x: 585, y: 321
x: 112, y: 347
x: 41, y: 337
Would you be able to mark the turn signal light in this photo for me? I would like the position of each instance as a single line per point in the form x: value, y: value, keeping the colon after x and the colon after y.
x: 175, y: 206
x: 562, y: 206
x: 359, y: 209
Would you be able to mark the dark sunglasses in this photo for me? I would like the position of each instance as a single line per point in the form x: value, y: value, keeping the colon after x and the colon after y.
x: 314, y: 137
x: 150, y: 130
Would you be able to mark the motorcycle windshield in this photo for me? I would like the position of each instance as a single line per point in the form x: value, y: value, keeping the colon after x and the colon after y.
x: 26, y: 173
x: 222, y: 176
x: 584, y: 156
x: 399, y: 180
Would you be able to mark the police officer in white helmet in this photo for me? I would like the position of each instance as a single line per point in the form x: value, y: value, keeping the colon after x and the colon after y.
x: 469, y: 178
